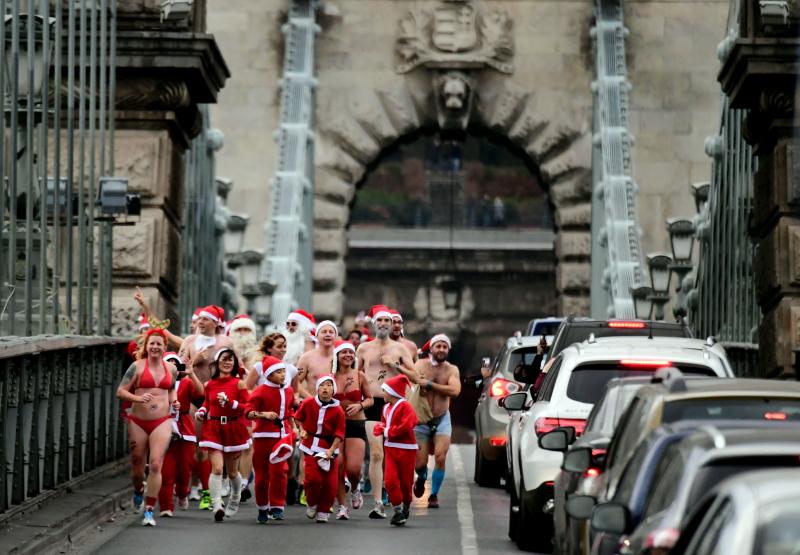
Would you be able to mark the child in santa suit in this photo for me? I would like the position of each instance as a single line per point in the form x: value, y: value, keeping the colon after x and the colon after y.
x: 399, y: 446
x: 321, y: 421
x: 270, y: 408
x: 176, y: 470
x: 224, y: 434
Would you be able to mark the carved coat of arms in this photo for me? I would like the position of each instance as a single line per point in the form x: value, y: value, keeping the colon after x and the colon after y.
x: 454, y: 28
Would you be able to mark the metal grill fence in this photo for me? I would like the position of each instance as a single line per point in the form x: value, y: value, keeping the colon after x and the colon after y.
x: 57, y: 89
x: 59, y: 414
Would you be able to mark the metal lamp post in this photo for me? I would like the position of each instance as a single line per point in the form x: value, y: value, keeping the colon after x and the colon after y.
x: 700, y: 194
x: 642, y: 302
x: 681, y: 238
x: 660, y: 277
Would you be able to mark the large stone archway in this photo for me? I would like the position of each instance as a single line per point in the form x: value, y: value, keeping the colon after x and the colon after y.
x: 353, y: 132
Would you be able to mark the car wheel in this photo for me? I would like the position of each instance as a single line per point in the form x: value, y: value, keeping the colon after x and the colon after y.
x: 487, y: 473
x: 534, y: 532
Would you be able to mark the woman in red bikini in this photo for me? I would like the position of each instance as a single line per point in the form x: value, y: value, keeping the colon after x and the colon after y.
x: 148, y: 386
x: 353, y: 394
x: 224, y: 434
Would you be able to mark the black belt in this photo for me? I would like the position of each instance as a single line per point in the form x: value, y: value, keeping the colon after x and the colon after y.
x: 223, y: 419
x: 328, y: 438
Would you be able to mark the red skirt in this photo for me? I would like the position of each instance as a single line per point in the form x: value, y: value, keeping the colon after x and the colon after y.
x: 228, y: 438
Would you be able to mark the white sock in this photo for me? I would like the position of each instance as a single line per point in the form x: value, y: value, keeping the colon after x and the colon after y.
x: 244, y: 481
x: 236, y: 487
x: 215, y: 489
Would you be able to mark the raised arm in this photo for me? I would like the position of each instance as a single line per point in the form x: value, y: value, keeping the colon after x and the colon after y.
x: 404, y: 365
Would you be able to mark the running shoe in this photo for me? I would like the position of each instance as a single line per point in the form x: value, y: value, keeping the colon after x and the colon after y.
x: 166, y: 513
x: 311, y: 512
x: 226, y: 486
x: 433, y: 502
x: 357, y: 500
x: 406, y: 509
x: 322, y: 518
x: 219, y: 513
x: 399, y: 517
x: 276, y: 514
x: 232, y: 508
x: 148, y: 519
x: 419, y: 487
x: 263, y: 516
x: 303, y: 501
x: 183, y: 503
x: 138, y: 502
x: 343, y: 513
x: 377, y: 512
x: 194, y: 493
x: 205, y: 501
x: 245, y: 494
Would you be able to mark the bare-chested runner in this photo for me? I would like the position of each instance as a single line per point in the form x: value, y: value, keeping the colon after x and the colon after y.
x: 317, y: 362
x: 439, y: 382
x: 197, y: 351
x: 397, y: 334
x: 380, y: 359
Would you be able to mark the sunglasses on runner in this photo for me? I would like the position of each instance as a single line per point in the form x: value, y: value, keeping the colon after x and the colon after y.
x: 291, y: 324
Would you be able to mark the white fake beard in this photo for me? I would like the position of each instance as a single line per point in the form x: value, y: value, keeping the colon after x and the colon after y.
x: 243, y: 343
x: 295, y: 346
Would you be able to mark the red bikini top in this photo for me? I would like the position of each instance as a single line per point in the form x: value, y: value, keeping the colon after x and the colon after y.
x: 146, y: 380
x: 353, y: 396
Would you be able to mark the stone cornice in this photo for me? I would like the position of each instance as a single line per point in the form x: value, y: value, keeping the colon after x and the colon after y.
x: 191, y: 58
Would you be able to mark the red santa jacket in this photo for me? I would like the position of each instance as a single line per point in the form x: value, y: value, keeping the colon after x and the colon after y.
x: 184, y: 424
x: 236, y: 398
x: 398, y: 422
x: 271, y: 398
x: 321, y: 422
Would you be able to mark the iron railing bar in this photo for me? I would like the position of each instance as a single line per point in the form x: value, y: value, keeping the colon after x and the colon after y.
x: 11, y: 309
x: 57, y: 228
x: 90, y: 236
x: 69, y: 231
x: 43, y: 170
x: 83, y: 326
x: 30, y: 123
x: 4, y: 250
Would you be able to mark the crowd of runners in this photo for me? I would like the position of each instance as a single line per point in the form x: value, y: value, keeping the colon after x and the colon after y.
x: 305, y: 414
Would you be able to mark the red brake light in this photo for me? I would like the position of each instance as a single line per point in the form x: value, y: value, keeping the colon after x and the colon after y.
x: 627, y: 325
x: 544, y: 425
x: 665, y: 538
x: 644, y: 363
x: 592, y: 473
x: 775, y: 416
x: 501, y: 387
x: 498, y: 441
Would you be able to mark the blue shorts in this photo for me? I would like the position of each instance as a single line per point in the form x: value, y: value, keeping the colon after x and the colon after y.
x: 440, y: 426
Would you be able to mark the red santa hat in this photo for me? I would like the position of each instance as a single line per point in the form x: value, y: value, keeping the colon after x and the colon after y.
x: 327, y: 323
x: 282, y: 450
x: 211, y: 313
x: 302, y: 317
x: 396, y: 314
x: 338, y: 346
x: 378, y: 311
x: 221, y: 314
x: 271, y: 364
x: 196, y: 313
x: 243, y: 321
x: 172, y: 356
x: 423, y: 351
x: 396, y: 385
x: 327, y: 377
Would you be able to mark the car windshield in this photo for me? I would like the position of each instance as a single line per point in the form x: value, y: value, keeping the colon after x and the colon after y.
x: 587, y: 382
x: 747, y: 408
x: 716, y: 471
x: 779, y: 534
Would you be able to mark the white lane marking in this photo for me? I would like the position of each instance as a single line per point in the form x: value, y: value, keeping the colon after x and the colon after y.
x: 469, y: 538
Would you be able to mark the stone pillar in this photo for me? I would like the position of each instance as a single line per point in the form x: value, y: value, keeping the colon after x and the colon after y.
x: 164, y: 70
x: 760, y: 74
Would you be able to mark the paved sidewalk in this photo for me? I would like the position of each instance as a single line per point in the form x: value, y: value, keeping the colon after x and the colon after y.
x: 50, y: 525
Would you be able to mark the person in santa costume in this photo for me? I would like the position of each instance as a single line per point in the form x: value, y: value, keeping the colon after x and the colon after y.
x: 270, y: 407
x: 224, y: 432
x: 300, y: 326
x: 176, y: 471
x: 399, y: 446
x: 322, y: 424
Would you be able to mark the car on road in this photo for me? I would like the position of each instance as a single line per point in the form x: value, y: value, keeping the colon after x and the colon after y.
x: 544, y: 326
x: 754, y: 512
x: 574, y: 383
x: 685, y: 472
x: 517, y: 355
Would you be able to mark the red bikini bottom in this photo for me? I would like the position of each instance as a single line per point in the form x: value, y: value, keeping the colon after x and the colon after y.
x: 148, y: 425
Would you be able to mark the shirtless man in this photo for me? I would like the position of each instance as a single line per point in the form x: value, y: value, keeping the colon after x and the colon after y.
x: 439, y: 382
x: 318, y: 361
x: 197, y: 351
x: 397, y: 334
x: 380, y: 359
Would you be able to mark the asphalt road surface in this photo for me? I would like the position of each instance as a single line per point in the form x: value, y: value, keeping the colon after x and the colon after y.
x: 471, y: 520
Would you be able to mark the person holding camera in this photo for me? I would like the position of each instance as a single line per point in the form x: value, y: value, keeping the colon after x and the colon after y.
x: 176, y: 471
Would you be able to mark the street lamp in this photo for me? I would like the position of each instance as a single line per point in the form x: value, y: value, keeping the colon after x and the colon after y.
x: 700, y: 194
x: 660, y: 277
x: 451, y: 291
x: 681, y: 238
x: 642, y: 302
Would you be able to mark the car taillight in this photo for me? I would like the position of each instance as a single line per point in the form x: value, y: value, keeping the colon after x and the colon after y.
x: 645, y: 363
x: 544, y: 425
x: 775, y: 416
x: 662, y: 540
x: 592, y: 473
x: 501, y: 387
x: 497, y: 441
x: 627, y: 325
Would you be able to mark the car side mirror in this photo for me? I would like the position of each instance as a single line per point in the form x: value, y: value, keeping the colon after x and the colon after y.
x: 514, y: 401
x: 577, y: 460
x: 612, y: 518
x: 558, y: 439
x: 580, y: 506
